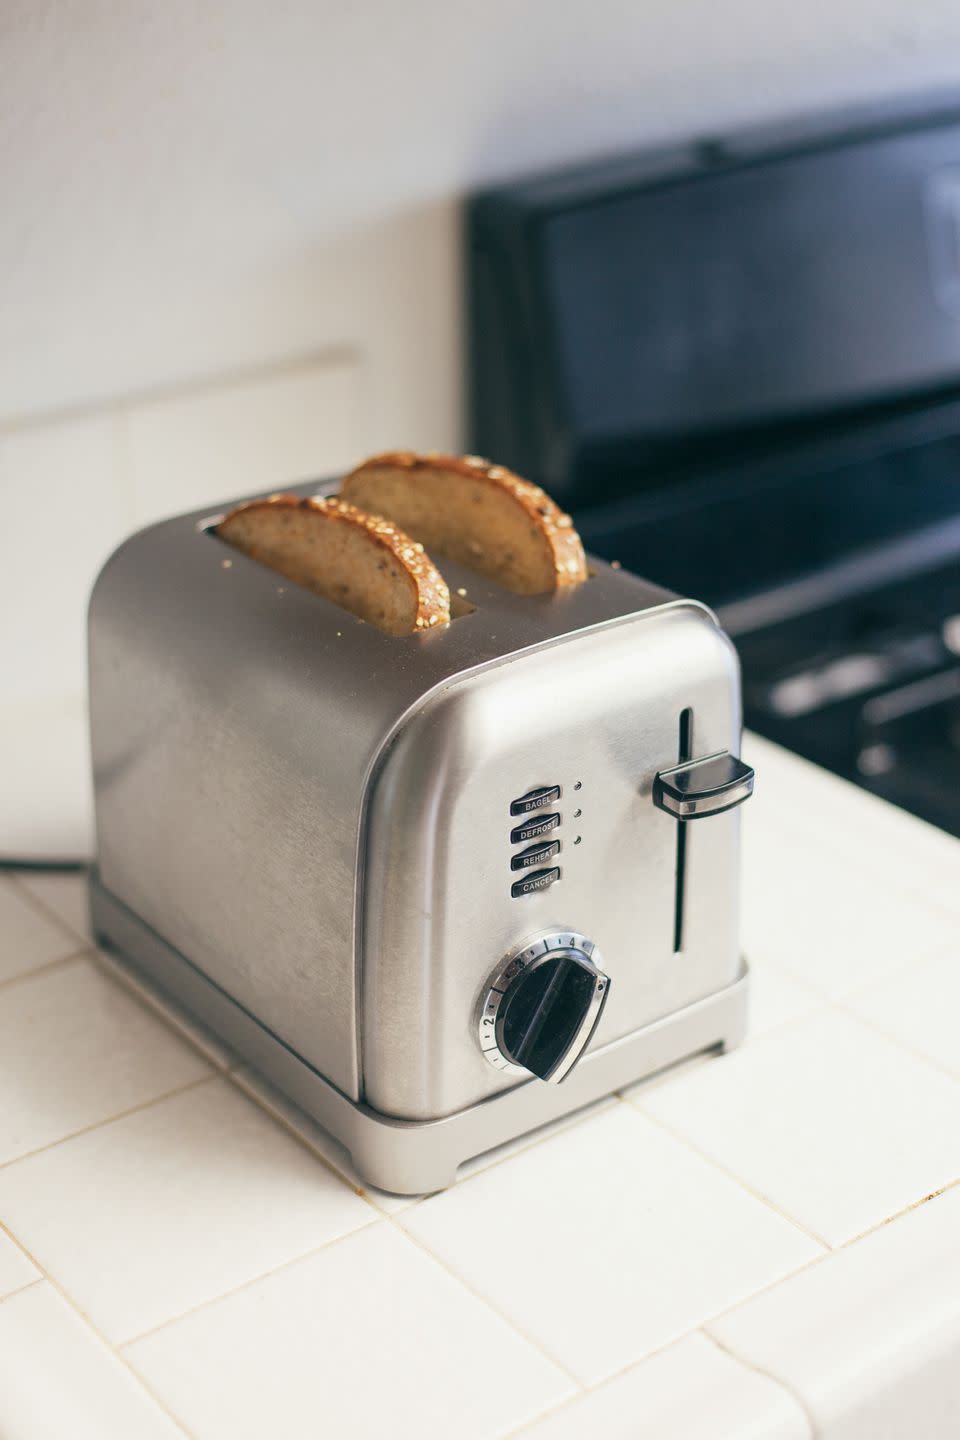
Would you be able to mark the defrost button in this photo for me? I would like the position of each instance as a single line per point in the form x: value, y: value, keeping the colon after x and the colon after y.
x: 533, y: 828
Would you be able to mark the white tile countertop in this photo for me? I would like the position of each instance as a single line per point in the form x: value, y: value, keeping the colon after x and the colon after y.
x: 765, y: 1244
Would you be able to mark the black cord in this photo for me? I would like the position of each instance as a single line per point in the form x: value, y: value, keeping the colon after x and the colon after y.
x: 46, y: 867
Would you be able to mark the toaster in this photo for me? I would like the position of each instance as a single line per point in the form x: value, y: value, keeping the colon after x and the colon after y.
x: 440, y: 889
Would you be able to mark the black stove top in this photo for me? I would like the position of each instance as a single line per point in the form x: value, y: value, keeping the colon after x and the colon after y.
x: 739, y: 365
x: 837, y: 572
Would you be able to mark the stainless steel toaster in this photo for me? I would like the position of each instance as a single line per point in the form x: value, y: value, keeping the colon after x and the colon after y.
x: 419, y: 881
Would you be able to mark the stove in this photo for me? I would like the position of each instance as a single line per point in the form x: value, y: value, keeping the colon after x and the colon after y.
x: 738, y: 363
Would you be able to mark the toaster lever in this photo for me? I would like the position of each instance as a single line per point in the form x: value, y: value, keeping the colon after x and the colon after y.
x: 703, y: 787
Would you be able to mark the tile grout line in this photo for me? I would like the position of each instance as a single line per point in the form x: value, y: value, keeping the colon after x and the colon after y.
x: 396, y: 1222
x: 156, y: 1007
x: 784, y: 972
x: 836, y: 1007
x: 46, y: 1277
x: 238, y: 1289
x: 110, y: 1119
x: 757, y: 1195
x: 810, y: 835
x: 394, y: 1219
x: 279, y: 1119
x: 828, y: 1002
x: 599, y: 1385
x: 780, y: 1383
x: 896, y: 970
x: 899, y: 1044
x: 27, y: 1285
x: 841, y: 1004
x: 487, y: 1303
x: 825, y: 1256
x: 700, y: 1327
x: 703, y: 1326
x: 856, y: 810
x: 827, y: 999
x: 44, y: 969
x: 179, y: 1022
x: 378, y: 1216
x: 936, y: 951
x: 824, y: 1004
x: 578, y: 1118
x: 851, y: 802
x: 914, y: 896
x: 40, y: 907
x: 899, y: 1214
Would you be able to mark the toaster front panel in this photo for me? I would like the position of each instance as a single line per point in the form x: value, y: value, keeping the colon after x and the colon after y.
x: 519, y: 801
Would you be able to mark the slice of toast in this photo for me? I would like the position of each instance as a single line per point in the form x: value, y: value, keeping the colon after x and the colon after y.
x: 480, y: 514
x: 362, y: 562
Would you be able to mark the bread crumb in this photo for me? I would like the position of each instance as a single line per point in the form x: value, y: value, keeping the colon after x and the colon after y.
x: 462, y: 590
x: 614, y: 564
x: 339, y: 634
x: 281, y: 590
x: 226, y: 564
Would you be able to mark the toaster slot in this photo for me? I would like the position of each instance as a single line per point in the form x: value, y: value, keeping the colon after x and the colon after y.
x: 684, y: 753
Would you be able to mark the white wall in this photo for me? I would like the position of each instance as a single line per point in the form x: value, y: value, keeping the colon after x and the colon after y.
x: 195, y: 187
x: 228, y: 239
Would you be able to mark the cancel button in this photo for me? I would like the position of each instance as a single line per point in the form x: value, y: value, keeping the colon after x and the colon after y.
x: 537, y: 880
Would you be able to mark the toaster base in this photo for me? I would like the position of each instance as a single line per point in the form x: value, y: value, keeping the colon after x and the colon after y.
x: 417, y: 1157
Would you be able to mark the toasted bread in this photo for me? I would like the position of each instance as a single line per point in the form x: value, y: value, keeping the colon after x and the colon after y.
x: 362, y: 562
x: 479, y: 514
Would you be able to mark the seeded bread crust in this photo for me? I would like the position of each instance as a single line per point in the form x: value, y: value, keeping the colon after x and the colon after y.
x: 543, y: 552
x: 362, y: 562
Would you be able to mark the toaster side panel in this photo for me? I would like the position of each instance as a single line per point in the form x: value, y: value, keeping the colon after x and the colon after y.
x: 598, y: 715
x: 229, y: 779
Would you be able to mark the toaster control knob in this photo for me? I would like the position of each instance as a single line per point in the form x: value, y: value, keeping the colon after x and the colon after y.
x: 543, y: 1005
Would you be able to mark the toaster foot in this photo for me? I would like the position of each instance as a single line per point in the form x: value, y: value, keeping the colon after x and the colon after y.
x: 417, y: 1157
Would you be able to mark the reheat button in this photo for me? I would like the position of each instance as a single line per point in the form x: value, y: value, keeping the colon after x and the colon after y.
x: 535, y: 855
x: 533, y: 828
x: 535, y: 799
